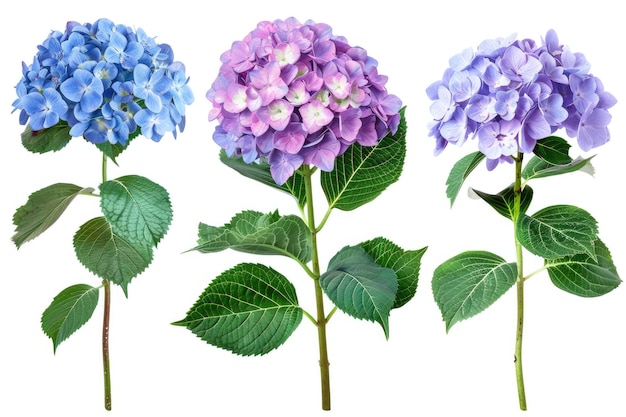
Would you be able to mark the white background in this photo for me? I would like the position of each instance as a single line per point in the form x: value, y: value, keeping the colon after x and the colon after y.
x: 574, y: 349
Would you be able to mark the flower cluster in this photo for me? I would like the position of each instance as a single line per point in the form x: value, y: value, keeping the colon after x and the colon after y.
x: 104, y: 81
x: 294, y: 94
x: 510, y: 93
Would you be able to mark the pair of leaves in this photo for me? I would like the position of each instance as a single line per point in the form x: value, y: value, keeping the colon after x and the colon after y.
x: 252, y: 309
x: 360, y: 174
x: 258, y: 233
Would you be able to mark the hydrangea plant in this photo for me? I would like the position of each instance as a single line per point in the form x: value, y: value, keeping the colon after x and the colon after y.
x: 293, y: 100
x: 108, y: 84
x: 512, y: 97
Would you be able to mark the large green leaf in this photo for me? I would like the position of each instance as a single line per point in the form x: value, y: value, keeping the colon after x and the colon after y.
x: 362, y: 173
x: 558, y: 231
x: 584, y: 275
x: 468, y: 283
x: 260, y: 171
x: 108, y: 255
x: 138, y: 209
x: 504, y: 201
x: 539, y: 168
x: 553, y: 150
x: 258, y: 233
x: 249, y: 310
x: 69, y: 310
x: 42, y: 209
x: 360, y: 287
x: 459, y: 173
x: 52, y: 139
x: 405, y: 263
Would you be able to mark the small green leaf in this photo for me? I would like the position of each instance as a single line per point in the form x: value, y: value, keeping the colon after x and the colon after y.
x: 538, y: 168
x: 459, y: 173
x: 504, y: 201
x: 249, y: 310
x: 360, y: 287
x: 69, y: 310
x: 42, y: 209
x: 138, y: 209
x: 553, y: 150
x: 584, y: 275
x: 468, y: 283
x: 108, y: 255
x: 362, y: 173
x: 558, y: 231
x: 261, y: 172
x: 261, y: 234
x: 51, y: 139
x: 405, y: 263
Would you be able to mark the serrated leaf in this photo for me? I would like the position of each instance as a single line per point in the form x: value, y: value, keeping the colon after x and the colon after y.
x: 138, y: 209
x: 112, y: 151
x: 405, y: 263
x: 260, y: 171
x: 468, y: 283
x: 108, y: 255
x: 261, y: 234
x: 538, y: 168
x: 558, y: 231
x: 360, y: 287
x: 553, y: 150
x: 250, y: 309
x: 43, y: 209
x: 51, y: 139
x: 362, y: 173
x: 504, y: 201
x: 69, y: 310
x: 584, y: 275
x: 459, y: 173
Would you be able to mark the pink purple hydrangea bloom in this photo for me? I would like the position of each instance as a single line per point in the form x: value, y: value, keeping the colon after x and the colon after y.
x: 104, y: 81
x: 511, y: 93
x: 293, y: 94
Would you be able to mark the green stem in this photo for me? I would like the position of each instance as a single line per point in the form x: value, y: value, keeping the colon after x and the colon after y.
x: 519, y: 372
x: 319, y: 295
x: 105, y: 322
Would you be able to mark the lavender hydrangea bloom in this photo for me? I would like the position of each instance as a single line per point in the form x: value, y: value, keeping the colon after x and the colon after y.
x: 511, y: 93
x: 292, y: 94
x: 104, y: 81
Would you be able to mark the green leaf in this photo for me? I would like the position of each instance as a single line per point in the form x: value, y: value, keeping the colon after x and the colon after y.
x: 108, y: 255
x: 260, y: 171
x: 504, y: 201
x: 553, y: 150
x: 51, y: 139
x: 114, y: 150
x: 558, y: 231
x: 249, y: 310
x: 360, y: 287
x: 405, y: 263
x: 69, y: 310
x: 138, y: 209
x: 459, y: 173
x: 538, y: 168
x: 468, y: 283
x: 42, y: 209
x: 362, y: 173
x: 261, y: 234
x: 584, y: 275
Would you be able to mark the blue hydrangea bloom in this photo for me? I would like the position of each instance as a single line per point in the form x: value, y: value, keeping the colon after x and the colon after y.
x: 292, y: 94
x: 106, y: 82
x: 511, y: 93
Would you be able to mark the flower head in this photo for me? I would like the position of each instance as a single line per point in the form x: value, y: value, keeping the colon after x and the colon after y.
x: 511, y: 93
x: 104, y: 81
x: 292, y: 93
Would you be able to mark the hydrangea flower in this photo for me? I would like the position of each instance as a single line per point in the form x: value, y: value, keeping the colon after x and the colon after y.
x: 104, y: 81
x: 511, y: 93
x: 292, y: 94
